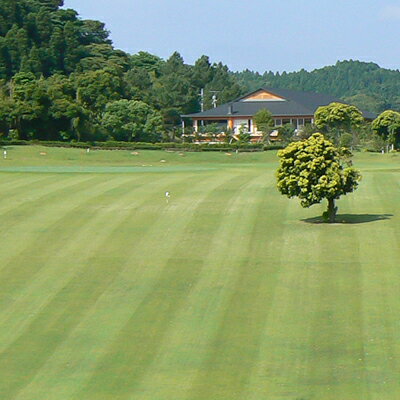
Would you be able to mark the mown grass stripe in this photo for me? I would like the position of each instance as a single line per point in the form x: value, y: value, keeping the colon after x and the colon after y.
x: 143, y: 333
x: 283, y: 349
x: 114, y: 299
x: 59, y: 316
x: 185, y: 346
x: 338, y: 366
x: 9, y: 179
x: 232, y: 350
x: 76, y: 215
x: 10, y: 183
x: 22, y: 206
x: 42, y: 241
x: 25, y: 219
x: 381, y: 280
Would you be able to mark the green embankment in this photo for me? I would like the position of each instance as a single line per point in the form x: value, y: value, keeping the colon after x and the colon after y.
x: 230, y: 291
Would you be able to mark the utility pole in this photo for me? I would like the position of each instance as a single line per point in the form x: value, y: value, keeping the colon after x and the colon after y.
x: 202, y: 100
x: 202, y: 103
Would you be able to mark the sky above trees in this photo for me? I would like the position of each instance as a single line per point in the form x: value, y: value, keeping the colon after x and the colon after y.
x: 257, y: 34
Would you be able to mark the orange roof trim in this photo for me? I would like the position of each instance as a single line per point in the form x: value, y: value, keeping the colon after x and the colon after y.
x: 263, y: 95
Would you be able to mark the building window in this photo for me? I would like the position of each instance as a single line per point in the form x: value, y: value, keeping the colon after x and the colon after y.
x: 286, y: 121
x: 278, y: 122
x: 301, y: 122
x: 308, y: 121
x: 238, y: 123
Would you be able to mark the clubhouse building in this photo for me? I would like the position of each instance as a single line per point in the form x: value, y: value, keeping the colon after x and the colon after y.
x: 287, y: 107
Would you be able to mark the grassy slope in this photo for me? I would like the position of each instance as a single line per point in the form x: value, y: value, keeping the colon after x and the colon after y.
x: 107, y: 292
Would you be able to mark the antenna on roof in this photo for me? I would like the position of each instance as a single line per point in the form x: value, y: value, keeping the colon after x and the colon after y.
x: 214, y: 100
x: 214, y: 97
x: 202, y: 100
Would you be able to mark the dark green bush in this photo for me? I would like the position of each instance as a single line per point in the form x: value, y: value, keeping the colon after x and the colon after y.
x: 14, y: 143
x: 114, y: 145
x: 275, y: 146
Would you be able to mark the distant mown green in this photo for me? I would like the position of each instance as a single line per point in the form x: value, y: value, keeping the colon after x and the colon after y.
x: 230, y: 291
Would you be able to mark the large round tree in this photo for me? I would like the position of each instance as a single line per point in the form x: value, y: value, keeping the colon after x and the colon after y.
x: 314, y: 170
x: 338, y: 116
x: 387, y: 125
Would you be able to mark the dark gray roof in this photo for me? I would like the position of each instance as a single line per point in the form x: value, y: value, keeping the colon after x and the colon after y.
x: 296, y: 103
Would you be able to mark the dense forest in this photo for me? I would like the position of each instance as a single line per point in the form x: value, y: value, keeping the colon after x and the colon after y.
x: 62, y: 79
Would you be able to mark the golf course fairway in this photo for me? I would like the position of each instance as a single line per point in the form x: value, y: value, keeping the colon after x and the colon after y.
x: 227, y: 291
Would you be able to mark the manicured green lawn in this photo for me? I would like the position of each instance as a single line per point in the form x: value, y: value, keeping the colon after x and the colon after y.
x: 228, y: 292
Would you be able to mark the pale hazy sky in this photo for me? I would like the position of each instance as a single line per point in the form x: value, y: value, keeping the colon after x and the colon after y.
x: 256, y: 34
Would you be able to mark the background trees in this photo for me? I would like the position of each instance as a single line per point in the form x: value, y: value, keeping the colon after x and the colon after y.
x: 366, y: 85
x: 387, y: 125
x: 128, y: 120
x: 313, y: 170
x: 264, y: 122
x: 61, y: 79
x: 58, y: 73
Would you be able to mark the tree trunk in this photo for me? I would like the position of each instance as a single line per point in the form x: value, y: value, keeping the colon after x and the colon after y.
x: 331, y: 212
x: 18, y: 128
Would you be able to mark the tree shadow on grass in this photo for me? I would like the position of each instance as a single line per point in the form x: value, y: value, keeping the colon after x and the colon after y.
x: 350, y: 218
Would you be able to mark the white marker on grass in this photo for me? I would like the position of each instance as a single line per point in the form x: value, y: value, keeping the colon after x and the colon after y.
x: 5, y: 154
x: 167, y: 196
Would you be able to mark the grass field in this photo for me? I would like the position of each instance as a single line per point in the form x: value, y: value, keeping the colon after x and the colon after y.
x: 229, y: 292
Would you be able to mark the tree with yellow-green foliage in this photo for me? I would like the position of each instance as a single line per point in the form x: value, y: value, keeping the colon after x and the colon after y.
x: 338, y: 116
x: 313, y: 170
x: 387, y: 125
